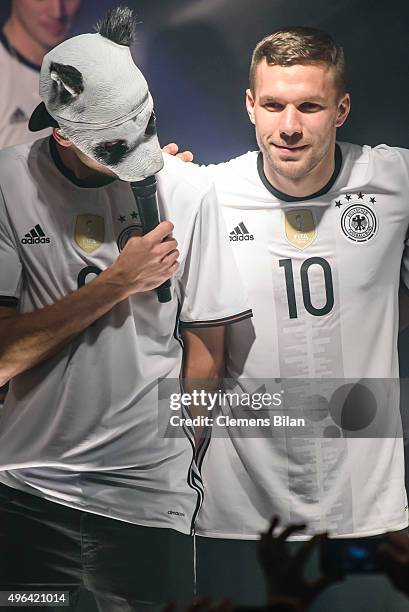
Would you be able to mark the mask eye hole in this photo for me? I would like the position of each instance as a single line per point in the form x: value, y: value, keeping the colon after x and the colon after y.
x: 111, y: 152
x: 151, y: 127
x: 113, y: 145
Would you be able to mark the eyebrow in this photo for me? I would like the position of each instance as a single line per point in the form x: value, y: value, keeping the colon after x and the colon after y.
x: 311, y: 99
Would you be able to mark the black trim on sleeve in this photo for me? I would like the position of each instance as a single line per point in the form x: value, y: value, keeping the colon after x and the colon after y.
x: 8, y: 301
x: 288, y: 198
x: 241, y: 316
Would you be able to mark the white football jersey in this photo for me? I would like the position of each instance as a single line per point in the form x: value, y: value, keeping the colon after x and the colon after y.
x: 81, y: 428
x: 19, y: 96
x: 322, y: 275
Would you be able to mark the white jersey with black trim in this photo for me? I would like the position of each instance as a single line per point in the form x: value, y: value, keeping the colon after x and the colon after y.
x: 81, y: 428
x: 322, y: 275
x: 19, y: 96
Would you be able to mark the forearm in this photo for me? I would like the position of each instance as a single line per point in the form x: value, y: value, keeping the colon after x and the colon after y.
x: 29, y: 339
x: 204, y: 354
x: 203, y: 369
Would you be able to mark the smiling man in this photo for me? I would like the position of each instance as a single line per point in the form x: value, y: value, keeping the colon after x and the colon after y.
x: 295, y: 109
x: 319, y: 231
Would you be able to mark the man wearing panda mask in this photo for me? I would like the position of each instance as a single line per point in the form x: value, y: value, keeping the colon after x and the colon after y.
x: 90, y: 493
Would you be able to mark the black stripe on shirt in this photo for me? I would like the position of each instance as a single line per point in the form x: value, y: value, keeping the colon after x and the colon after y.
x: 241, y: 316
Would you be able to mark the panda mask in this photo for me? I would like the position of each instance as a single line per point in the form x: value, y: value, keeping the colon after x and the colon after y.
x: 92, y: 90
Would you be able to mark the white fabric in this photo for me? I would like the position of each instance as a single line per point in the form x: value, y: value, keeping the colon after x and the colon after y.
x: 345, y: 486
x: 18, y: 98
x: 81, y: 428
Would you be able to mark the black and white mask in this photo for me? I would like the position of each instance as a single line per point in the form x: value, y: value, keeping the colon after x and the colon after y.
x: 91, y: 88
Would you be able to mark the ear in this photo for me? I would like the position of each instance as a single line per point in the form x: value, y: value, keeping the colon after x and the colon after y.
x: 250, y: 105
x: 344, y: 106
x: 64, y: 142
x: 68, y: 82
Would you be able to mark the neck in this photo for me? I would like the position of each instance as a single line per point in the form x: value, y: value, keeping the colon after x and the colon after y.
x: 75, y: 170
x: 73, y: 163
x: 305, y: 185
x: 21, y: 41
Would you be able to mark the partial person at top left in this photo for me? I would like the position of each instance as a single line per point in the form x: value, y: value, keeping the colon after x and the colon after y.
x: 32, y: 29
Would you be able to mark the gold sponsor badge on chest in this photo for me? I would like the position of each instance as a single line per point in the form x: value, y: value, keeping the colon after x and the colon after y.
x: 89, y: 232
x: 300, y: 228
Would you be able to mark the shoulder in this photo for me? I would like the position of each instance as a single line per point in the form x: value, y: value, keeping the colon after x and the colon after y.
x: 383, y: 166
x: 366, y: 154
x: 183, y: 189
x: 18, y: 165
x: 243, y: 166
x: 392, y: 163
x: 389, y: 154
x: 188, y: 175
x: 12, y: 156
x: 238, y: 166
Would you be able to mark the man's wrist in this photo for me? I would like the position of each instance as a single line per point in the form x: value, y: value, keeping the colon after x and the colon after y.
x: 117, y: 290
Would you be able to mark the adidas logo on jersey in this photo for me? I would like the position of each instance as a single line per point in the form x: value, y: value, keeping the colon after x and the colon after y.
x: 35, y: 236
x: 240, y: 233
x: 176, y: 513
x: 18, y: 116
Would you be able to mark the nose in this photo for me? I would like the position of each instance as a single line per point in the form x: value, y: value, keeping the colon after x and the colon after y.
x: 57, y: 9
x: 290, y: 125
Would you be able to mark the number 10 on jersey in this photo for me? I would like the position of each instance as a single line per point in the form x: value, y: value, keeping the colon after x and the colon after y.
x: 317, y: 311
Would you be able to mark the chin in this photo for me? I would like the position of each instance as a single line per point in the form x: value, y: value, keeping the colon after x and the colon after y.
x: 292, y: 169
x: 294, y: 173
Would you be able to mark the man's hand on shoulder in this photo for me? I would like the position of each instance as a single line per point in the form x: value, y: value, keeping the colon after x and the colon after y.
x: 173, y: 149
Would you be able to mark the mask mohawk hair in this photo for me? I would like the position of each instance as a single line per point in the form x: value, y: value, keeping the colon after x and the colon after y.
x: 118, y: 25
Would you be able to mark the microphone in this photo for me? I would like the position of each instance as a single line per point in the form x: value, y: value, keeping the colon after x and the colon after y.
x: 144, y: 193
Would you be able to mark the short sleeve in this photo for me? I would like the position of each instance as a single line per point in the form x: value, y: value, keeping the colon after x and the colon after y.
x: 10, y: 268
x: 211, y: 289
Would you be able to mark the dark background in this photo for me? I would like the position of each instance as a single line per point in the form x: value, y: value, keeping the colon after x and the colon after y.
x: 196, y: 54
